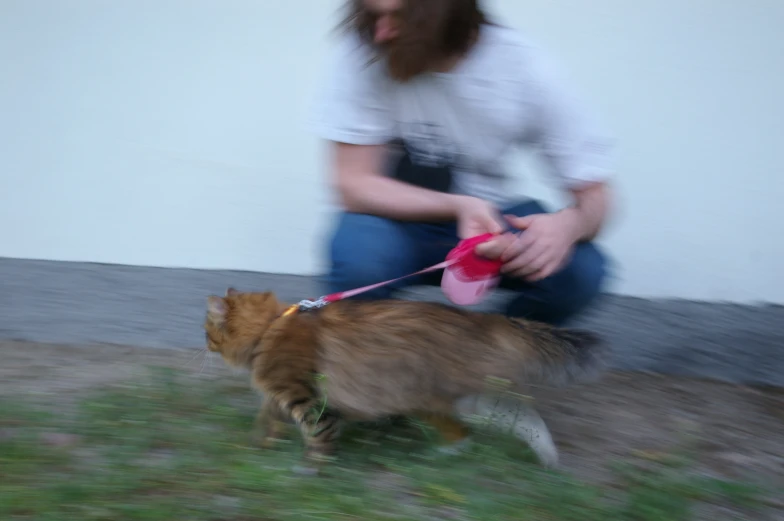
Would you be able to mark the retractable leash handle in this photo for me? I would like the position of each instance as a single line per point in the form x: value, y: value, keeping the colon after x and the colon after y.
x: 469, y: 278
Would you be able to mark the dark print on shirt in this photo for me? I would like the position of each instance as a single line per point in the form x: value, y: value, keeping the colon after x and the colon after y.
x: 428, y: 157
x: 428, y: 145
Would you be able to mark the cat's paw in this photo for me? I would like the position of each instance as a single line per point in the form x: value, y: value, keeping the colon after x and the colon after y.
x: 313, y: 462
x: 269, y: 442
x: 306, y: 469
x: 453, y: 449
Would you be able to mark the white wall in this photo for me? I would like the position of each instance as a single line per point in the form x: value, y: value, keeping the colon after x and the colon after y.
x: 171, y: 133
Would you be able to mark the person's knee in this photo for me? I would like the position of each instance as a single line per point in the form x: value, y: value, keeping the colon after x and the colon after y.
x: 567, y: 293
x: 584, y: 279
x: 366, y: 249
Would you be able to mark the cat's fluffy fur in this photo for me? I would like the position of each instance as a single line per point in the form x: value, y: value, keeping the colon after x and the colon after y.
x: 363, y: 360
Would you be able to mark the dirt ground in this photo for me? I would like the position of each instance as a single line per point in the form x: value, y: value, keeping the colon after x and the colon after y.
x: 730, y: 431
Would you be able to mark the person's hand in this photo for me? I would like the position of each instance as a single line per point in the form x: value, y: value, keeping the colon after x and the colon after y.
x: 476, y: 217
x: 542, y: 249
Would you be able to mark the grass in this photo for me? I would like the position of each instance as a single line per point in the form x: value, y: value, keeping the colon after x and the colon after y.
x: 170, y: 448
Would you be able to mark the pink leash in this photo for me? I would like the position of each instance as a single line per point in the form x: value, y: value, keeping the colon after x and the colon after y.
x: 340, y: 295
x: 472, y: 273
x: 334, y: 297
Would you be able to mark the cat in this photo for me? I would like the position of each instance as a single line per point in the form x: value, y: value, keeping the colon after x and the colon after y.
x: 359, y: 360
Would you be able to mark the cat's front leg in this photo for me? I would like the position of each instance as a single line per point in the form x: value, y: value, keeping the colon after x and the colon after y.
x: 270, y: 424
x: 320, y: 426
x: 320, y: 432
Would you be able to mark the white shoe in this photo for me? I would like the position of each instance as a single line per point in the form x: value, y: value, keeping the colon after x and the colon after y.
x: 508, y: 413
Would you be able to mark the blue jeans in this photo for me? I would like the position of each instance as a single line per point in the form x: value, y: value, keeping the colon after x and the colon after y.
x: 366, y: 249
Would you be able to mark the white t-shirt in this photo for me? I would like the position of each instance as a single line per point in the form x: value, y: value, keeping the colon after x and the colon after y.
x: 505, y: 93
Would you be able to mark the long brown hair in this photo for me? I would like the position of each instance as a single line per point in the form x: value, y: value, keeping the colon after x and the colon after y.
x: 430, y: 31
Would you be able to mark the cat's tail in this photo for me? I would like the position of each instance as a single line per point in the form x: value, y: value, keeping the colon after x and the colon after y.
x: 560, y: 356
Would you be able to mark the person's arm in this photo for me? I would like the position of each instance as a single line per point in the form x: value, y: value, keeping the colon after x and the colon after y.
x: 589, y: 211
x: 362, y: 188
x: 578, y: 155
x: 576, y: 150
x: 353, y: 114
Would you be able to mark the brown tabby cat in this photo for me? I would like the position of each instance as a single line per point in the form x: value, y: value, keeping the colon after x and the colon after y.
x: 364, y: 360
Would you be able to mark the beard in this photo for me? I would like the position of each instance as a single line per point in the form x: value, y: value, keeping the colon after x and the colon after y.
x: 407, y: 59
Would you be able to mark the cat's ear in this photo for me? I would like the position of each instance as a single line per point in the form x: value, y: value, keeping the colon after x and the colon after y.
x: 231, y: 292
x: 216, y: 308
